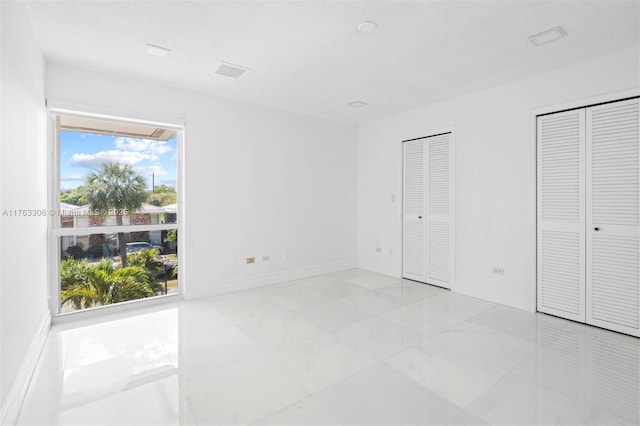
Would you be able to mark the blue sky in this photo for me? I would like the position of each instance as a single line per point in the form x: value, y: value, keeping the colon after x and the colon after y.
x: 80, y: 153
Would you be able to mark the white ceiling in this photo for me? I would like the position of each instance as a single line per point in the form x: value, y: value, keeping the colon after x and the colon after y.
x: 307, y: 56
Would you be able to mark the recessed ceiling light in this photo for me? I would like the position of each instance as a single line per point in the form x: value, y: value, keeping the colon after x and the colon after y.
x: 367, y: 27
x: 547, y: 36
x: 357, y: 104
x: 231, y: 70
x: 159, y: 51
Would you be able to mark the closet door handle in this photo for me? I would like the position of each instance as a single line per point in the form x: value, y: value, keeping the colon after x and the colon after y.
x: 419, y: 217
x: 596, y: 229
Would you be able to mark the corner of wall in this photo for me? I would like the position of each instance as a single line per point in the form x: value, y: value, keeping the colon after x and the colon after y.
x: 13, y: 402
x: 23, y: 326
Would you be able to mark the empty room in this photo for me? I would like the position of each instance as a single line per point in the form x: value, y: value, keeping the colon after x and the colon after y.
x: 261, y: 212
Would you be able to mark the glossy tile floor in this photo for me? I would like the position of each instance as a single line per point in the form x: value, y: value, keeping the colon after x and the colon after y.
x: 351, y: 348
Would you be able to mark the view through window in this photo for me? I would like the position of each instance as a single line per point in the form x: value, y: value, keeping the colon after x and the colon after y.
x: 116, y: 222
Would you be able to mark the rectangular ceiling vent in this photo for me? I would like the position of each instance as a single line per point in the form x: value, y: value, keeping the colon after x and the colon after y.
x: 552, y: 34
x: 231, y: 70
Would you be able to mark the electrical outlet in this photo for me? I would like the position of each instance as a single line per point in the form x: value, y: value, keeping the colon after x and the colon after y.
x: 251, y: 260
x: 498, y: 270
x: 379, y: 249
x: 390, y: 253
x: 266, y: 258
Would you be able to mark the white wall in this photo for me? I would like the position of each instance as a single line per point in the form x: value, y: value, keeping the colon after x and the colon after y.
x: 258, y: 181
x: 495, y: 215
x: 23, y: 246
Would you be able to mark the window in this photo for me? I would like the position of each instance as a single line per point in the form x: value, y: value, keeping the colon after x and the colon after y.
x: 115, y: 215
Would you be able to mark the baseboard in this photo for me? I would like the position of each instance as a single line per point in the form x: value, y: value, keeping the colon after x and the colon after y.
x: 227, y: 286
x: 392, y: 272
x: 11, y: 407
x: 480, y: 293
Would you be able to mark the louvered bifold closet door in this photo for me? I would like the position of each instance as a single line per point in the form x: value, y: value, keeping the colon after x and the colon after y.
x: 413, y: 225
x: 439, y: 209
x: 613, y: 216
x: 561, y: 214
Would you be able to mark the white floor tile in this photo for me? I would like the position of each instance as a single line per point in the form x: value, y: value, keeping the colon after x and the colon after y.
x: 240, y: 394
x: 116, y: 371
x: 493, y: 347
x: 598, y: 367
x: 296, y: 297
x: 466, y: 419
x: 280, y: 331
x: 178, y: 323
x: 378, y: 337
x: 244, y: 311
x: 318, y: 362
x: 515, y: 322
x: 211, y: 351
x: 333, y: 315
x: 417, y: 318
x: 515, y: 400
x: 374, y: 303
x: 336, y: 288
x: 411, y: 291
x: 451, y: 374
x: 456, y: 306
x: 350, y: 348
x: 148, y: 404
x: 98, y: 342
x: 43, y: 401
x: 597, y: 416
x: 376, y: 281
x: 305, y: 412
x: 380, y: 395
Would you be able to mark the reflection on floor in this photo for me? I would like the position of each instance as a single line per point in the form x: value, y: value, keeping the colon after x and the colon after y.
x: 350, y: 348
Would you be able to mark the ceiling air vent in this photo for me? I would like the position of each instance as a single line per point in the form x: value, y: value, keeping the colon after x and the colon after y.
x: 357, y: 104
x: 552, y: 34
x: 231, y: 70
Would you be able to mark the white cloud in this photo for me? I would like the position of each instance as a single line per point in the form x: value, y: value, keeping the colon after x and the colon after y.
x: 143, y: 145
x: 169, y: 182
x: 71, y: 181
x: 148, y: 170
x: 72, y: 178
x: 123, y: 157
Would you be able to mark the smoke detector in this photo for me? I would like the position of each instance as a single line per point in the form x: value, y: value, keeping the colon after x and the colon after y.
x: 367, y: 27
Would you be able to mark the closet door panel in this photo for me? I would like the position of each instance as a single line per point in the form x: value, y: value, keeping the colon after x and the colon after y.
x: 561, y: 214
x: 414, y: 200
x: 439, y: 250
x: 613, y: 216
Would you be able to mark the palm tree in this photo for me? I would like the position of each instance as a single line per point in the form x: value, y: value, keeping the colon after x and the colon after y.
x: 119, y: 189
x: 147, y: 259
x: 85, y: 286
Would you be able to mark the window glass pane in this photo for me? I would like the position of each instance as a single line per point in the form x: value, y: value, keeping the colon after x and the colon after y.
x: 114, y: 173
x: 92, y: 272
